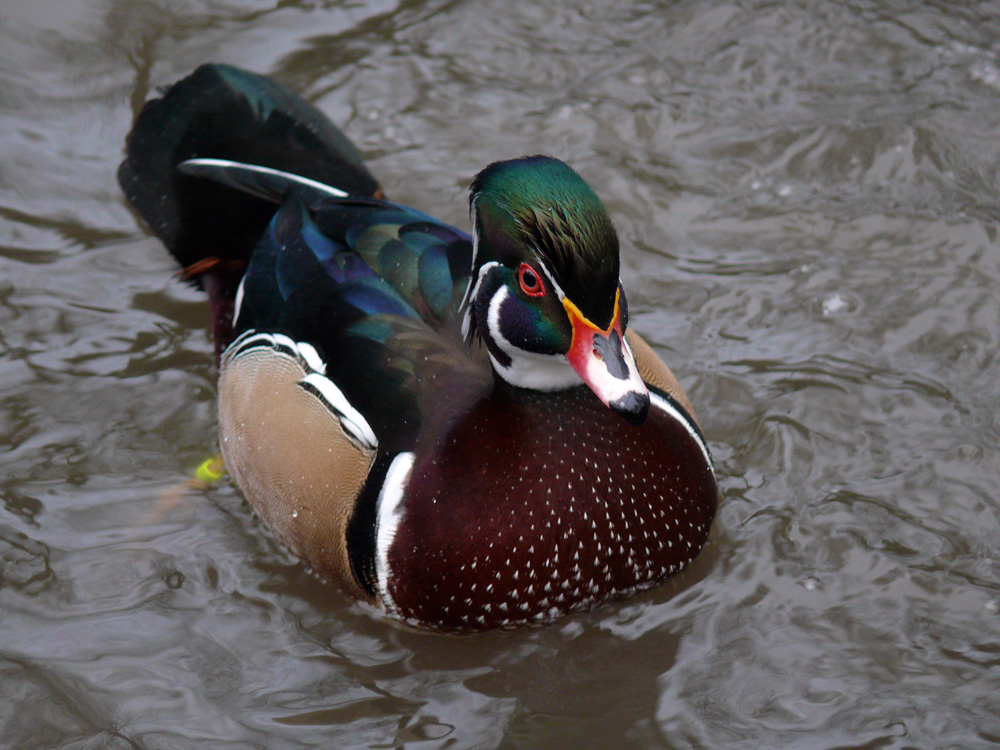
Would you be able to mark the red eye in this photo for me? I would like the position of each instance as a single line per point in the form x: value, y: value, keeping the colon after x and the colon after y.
x: 531, y: 281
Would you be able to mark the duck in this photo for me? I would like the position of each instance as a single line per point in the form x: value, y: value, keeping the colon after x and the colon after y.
x: 459, y: 428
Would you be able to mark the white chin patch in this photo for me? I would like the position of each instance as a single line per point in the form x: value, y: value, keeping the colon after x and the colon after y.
x: 540, y: 372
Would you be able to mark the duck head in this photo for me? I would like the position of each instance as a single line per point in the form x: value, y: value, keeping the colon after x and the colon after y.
x: 545, y: 294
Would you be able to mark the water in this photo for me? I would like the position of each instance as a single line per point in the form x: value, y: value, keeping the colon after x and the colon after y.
x: 807, y: 196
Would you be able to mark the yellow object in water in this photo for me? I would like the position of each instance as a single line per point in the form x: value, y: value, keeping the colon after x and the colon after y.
x: 211, y: 470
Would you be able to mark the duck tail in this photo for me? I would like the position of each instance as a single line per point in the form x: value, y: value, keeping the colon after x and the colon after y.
x: 223, y: 112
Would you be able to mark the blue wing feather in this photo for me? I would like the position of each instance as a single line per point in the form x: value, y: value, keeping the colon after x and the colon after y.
x: 436, y: 284
x: 324, y: 265
x: 373, y: 296
x: 330, y: 254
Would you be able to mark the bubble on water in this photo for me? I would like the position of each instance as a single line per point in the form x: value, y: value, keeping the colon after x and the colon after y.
x: 174, y: 579
x: 811, y: 583
x: 985, y: 72
x: 834, y: 303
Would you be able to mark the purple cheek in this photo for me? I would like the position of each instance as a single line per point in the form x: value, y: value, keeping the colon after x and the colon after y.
x: 525, y: 328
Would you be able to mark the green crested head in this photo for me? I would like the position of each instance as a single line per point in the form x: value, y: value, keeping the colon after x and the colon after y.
x: 537, y: 207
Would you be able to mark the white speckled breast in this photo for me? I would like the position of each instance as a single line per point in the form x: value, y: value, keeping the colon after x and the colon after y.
x: 537, y: 504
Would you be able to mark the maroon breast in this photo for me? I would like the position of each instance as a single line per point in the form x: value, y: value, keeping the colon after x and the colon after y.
x: 536, y: 504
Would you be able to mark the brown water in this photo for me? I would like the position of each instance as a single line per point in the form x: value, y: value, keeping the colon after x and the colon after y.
x: 807, y: 194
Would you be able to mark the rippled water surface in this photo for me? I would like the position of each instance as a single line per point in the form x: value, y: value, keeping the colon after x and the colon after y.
x: 807, y: 197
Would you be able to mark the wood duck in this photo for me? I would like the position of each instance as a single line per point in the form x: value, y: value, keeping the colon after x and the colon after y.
x: 459, y: 429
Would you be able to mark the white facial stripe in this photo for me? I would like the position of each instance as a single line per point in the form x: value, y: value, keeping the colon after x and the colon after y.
x: 657, y: 401
x: 467, y: 318
x: 548, y: 275
x: 548, y: 372
x: 493, y: 317
x: 541, y: 372
x: 388, y: 513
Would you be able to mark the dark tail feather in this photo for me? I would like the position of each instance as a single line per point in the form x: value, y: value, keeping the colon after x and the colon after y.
x: 227, y: 113
x: 223, y: 112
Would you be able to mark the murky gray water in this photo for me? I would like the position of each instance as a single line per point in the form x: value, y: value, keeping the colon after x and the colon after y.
x: 807, y: 194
